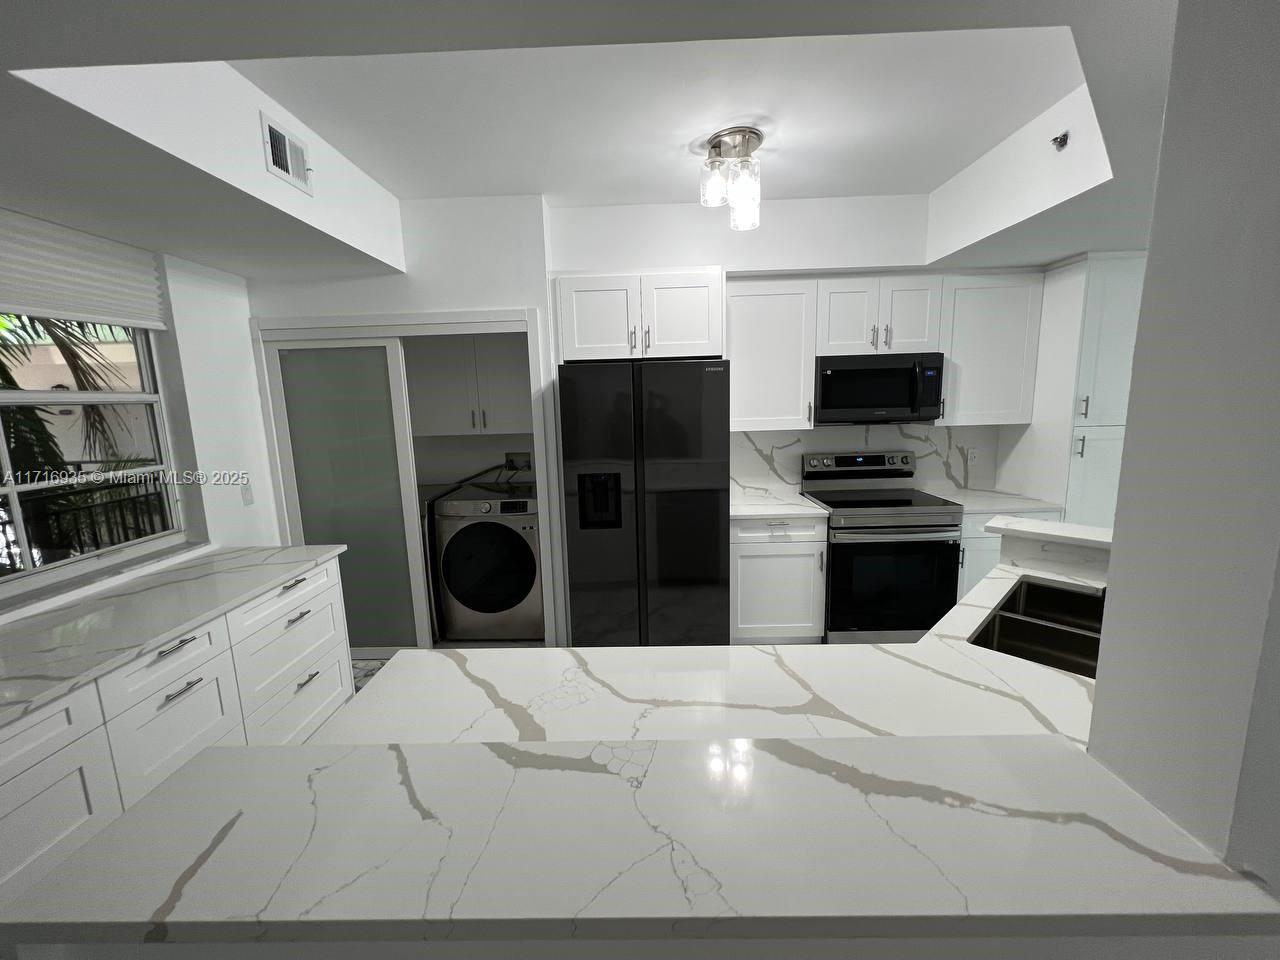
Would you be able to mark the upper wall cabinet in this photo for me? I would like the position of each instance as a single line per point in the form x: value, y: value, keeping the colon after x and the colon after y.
x: 861, y: 315
x: 772, y: 340
x: 468, y: 384
x: 649, y: 315
x: 990, y: 336
x: 1113, y: 294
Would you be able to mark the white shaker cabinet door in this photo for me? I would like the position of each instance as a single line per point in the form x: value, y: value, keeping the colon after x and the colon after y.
x: 990, y: 338
x: 772, y: 341
x: 777, y: 590
x: 1112, y: 297
x: 502, y: 383
x: 1094, y: 476
x: 440, y: 374
x: 682, y: 314
x: 910, y: 314
x: 599, y: 317
x: 848, y: 316
x: 978, y: 557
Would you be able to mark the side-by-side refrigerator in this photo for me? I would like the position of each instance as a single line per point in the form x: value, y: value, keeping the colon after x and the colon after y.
x: 645, y: 447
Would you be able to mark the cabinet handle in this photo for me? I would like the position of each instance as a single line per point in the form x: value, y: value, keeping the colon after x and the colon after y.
x: 943, y: 415
x: 778, y: 523
x: 170, y: 697
x: 962, y: 556
x: 161, y: 654
x: 1080, y: 452
x: 292, y: 583
x: 310, y: 676
x: 888, y: 337
x: 292, y: 620
x: 646, y: 339
x: 633, y: 339
x: 821, y: 563
x: 875, y: 337
x: 810, y: 413
x: 1084, y: 414
x: 484, y: 419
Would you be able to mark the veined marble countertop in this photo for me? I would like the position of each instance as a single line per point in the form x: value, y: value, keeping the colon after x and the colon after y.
x: 642, y: 840
x: 1051, y: 531
x: 775, y: 503
x: 991, y: 501
x: 52, y: 653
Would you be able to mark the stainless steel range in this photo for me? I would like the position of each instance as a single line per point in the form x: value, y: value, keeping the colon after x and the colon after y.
x: 894, y: 558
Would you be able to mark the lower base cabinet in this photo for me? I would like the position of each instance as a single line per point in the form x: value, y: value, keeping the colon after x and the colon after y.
x: 305, y: 702
x: 777, y: 590
x: 978, y: 557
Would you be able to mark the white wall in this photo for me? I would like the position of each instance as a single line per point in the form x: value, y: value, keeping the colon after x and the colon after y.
x: 1020, y: 177
x: 211, y: 324
x: 466, y: 253
x: 828, y: 233
x: 207, y: 114
x: 1034, y: 458
x: 449, y: 459
x: 1193, y: 567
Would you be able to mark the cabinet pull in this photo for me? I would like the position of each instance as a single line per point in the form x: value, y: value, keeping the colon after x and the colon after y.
x: 1084, y: 414
x: 888, y: 337
x: 170, y: 697
x: 484, y: 419
x: 292, y: 620
x: 292, y: 583
x: 943, y: 415
x: 810, y: 413
x: 633, y: 339
x: 777, y: 523
x: 646, y: 339
x: 310, y: 676
x: 821, y: 565
x: 962, y: 556
x: 473, y: 419
x: 1080, y: 452
x: 161, y: 654
x: 875, y: 337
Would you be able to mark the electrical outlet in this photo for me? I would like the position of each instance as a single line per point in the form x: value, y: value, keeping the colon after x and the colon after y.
x: 973, y: 456
x: 246, y: 493
x: 519, y: 461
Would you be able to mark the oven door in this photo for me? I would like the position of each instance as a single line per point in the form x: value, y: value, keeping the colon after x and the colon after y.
x: 905, y: 388
x: 890, y: 585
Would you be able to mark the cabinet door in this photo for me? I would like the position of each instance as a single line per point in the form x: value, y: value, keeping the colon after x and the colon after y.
x: 54, y: 807
x: 682, y: 315
x: 990, y: 336
x: 1094, y: 476
x: 777, y: 590
x: 502, y: 383
x: 772, y: 340
x: 978, y: 556
x: 1112, y: 297
x: 910, y: 314
x: 599, y: 317
x: 848, y: 316
x: 440, y: 376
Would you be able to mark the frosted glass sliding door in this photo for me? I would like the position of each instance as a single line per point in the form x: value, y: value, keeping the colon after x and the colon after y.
x: 347, y: 466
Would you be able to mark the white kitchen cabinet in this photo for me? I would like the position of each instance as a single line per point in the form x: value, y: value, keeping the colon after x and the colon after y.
x: 848, y: 316
x: 682, y: 315
x: 777, y: 590
x: 309, y: 698
x: 990, y: 337
x: 1094, y: 476
x: 1113, y: 294
x: 978, y: 557
x: 910, y: 314
x: 53, y: 807
x: 599, y: 317
x: 468, y: 384
x: 772, y: 349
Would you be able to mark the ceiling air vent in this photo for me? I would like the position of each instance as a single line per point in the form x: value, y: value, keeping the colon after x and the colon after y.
x: 286, y: 154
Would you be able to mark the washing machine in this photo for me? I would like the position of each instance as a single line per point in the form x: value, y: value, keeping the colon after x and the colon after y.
x: 487, y: 570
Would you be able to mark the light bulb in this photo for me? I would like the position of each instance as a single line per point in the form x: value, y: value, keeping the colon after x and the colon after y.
x: 744, y: 194
x: 713, y: 185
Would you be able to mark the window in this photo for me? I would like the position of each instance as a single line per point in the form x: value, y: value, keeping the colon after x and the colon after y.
x: 82, y: 444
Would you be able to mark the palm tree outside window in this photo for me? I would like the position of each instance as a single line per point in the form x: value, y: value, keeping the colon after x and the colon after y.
x: 82, y: 447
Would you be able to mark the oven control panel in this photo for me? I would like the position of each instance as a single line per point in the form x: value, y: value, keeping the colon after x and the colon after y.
x: 856, y: 464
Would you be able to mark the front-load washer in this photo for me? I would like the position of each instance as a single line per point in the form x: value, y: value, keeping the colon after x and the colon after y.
x: 487, y: 568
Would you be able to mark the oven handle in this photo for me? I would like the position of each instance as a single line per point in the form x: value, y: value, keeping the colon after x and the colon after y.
x: 889, y: 536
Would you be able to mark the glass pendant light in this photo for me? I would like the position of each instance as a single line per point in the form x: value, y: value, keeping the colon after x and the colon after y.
x: 713, y: 185
x: 744, y: 194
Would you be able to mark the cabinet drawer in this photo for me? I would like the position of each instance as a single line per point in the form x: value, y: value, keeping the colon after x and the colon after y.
x: 246, y: 620
x: 43, y: 732
x: 54, y: 807
x: 974, y: 524
x: 164, y: 731
x: 309, y: 698
x: 267, y: 661
x: 777, y: 530
x: 136, y: 681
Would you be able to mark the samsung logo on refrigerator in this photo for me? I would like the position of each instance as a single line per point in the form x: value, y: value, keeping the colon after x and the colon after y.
x: 714, y: 369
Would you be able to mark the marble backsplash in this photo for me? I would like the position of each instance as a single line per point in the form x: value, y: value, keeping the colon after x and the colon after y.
x: 764, y: 462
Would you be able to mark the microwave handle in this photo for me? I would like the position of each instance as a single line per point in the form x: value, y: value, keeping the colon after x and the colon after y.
x: 918, y: 390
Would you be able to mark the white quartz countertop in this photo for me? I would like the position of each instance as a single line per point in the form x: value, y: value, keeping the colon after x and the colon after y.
x: 50, y: 654
x: 642, y: 840
x: 992, y: 501
x: 1051, y: 531
x: 780, y: 502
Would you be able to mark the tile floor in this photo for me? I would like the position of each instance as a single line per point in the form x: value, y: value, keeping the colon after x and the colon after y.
x: 362, y: 671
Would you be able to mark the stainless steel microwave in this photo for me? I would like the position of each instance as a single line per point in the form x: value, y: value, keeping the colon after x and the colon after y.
x: 886, y: 388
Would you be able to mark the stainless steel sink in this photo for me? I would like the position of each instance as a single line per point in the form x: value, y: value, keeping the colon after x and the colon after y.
x: 1056, y: 626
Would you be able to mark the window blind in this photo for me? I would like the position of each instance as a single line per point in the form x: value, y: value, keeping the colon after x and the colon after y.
x: 48, y: 270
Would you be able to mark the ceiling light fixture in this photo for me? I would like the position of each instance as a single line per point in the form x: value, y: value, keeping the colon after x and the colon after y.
x: 730, y: 173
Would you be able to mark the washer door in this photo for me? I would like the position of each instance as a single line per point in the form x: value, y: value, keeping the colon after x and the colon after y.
x: 488, y: 567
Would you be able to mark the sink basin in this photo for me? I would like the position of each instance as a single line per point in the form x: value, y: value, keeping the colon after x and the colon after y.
x: 1056, y: 626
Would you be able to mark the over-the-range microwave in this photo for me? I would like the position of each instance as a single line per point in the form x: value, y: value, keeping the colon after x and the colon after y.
x: 887, y: 388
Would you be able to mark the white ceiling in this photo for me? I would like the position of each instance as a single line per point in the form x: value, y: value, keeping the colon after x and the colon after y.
x: 842, y: 115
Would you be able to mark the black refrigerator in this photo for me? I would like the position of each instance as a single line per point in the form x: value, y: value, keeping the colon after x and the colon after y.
x: 645, y: 455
